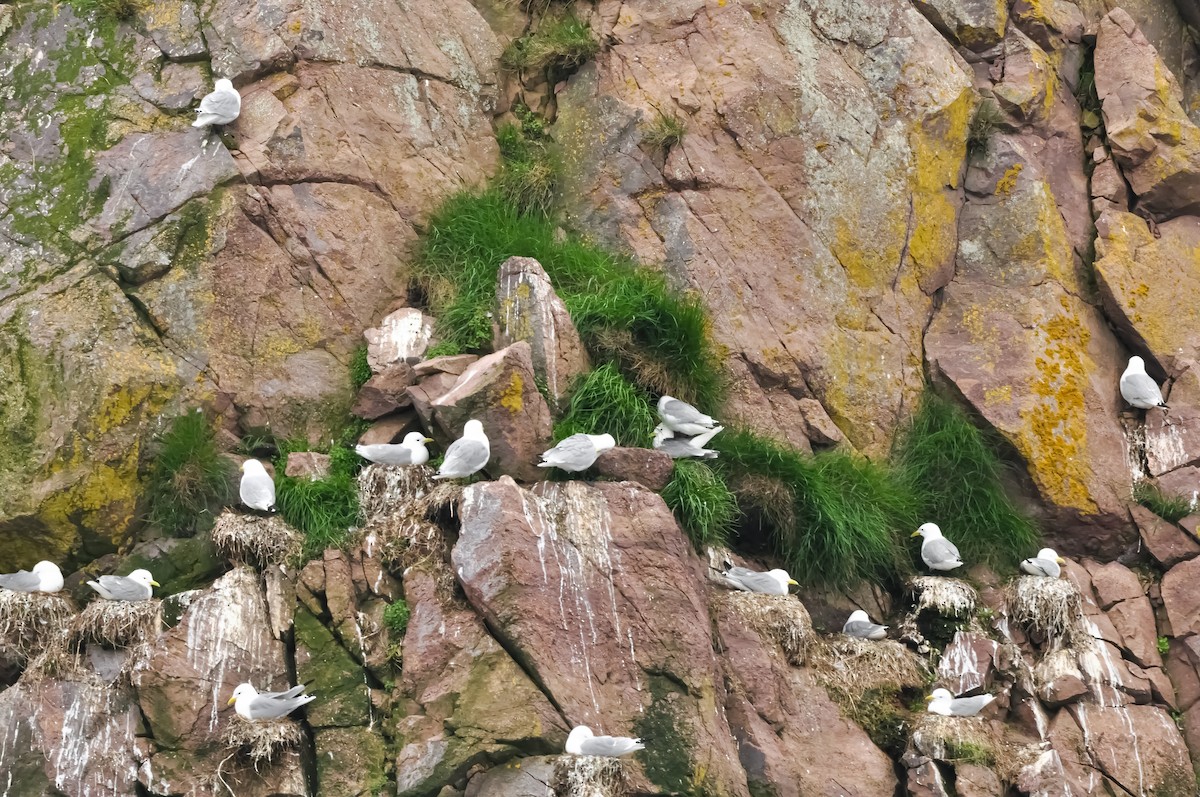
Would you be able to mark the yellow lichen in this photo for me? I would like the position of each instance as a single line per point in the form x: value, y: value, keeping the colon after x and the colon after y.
x: 1008, y: 181
x: 1001, y: 394
x: 511, y: 398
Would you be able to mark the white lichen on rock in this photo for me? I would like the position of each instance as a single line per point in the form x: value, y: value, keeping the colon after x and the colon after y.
x: 255, y: 540
x: 590, y: 776
x: 29, y: 621
x: 781, y: 618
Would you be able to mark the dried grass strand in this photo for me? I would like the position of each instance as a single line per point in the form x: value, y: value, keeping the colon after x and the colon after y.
x: 589, y: 776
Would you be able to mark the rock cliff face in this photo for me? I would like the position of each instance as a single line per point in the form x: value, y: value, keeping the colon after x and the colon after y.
x: 1001, y: 199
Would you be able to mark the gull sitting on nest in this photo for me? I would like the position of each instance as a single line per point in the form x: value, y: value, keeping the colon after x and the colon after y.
x: 255, y: 706
x: 582, y: 741
x: 772, y: 582
x: 45, y: 577
x: 860, y: 626
x: 1046, y: 563
x: 137, y: 586
x: 946, y: 704
x: 411, y: 451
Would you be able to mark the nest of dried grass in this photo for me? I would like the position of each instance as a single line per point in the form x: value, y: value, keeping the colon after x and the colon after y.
x: 30, y: 620
x: 256, y: 540
x: 59, y: 658
x: 118, y: 624
x: 948, y: 597
x: 851, y: 667
x: 263, y: 740
x: 386, y: 490
x: 781, y: 618
x: 1050, y: 606
x: 589, y: 776
x: 972, y: 740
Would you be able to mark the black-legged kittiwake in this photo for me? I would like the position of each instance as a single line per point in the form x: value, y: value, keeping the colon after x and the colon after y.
x: 411, y: 451
x: 681, y: 417
x: 1046, y: 563
x: 466, y: 455
x: 859, y: 625
x: 1138, y: 388
x: 581, y: 741
x: 937, y: 552
x: 577, y: 452
x: 134, y: 587
x: 946, y: 704
x: 772, y: 582
x: 257, y: 489
x: 253, y: 705
x: 45, y: 577
x: 684, y: 447
x: 220, y: 107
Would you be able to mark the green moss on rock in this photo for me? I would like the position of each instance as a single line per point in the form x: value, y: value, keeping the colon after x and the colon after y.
x: 328, y: 670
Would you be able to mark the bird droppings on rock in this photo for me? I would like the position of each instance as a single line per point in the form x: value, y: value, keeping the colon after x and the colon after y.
x: 256, y: 540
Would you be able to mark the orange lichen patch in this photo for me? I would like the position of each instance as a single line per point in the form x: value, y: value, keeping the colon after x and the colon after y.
x: 1008, y: 180
x: 998, y: 395
x: 869, y: 261
x: 939, y: 146
x: 511, y: 397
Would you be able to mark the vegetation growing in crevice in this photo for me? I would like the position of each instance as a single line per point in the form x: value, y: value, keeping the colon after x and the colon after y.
x: 1090, y: 117
x: 528, y: 174
x: 1171, y: 508
x: 560, y: 43
x: 189, y: 480
x: 984, y: 123
x: 664, y: 132
x: 324, y: 510
x: 360, y: 369
x: 955, y: 478
x: 882, y: 714
x: 603, y: 400
x: 117, y: 9
x: 705, y: 507
x: 395, y: 617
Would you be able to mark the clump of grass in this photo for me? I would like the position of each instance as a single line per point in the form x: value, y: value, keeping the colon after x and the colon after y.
x: 603, y: 401
x: 882, y: 714
x: 528, y: 174
x: 955, y: 478
x: 968, y: 752
x: 704, y: 506
x: 664, y: 132
x: 118, y: 9
x: 1164, y: 645
x: 395, y: 617
x: 360, y: 368
x: 323, y: 510
x: 560, y: 43
x: 659, y: 337
x: 984, y: 123
x: 843, y: 511
x: 189, y: 480
x: 1171, y: 508
x: 446, y: 348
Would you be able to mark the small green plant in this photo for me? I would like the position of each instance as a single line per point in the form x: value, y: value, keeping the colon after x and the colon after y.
x: 360, y: 369
x: 325, y: 509
x: 528, y: 174
x: 968, y: 752
x: 1090, y: 117
x: 703, y: 504
x: 603, y: 401
x: 984, y: 123
x: 395, y: 617
x: 1164, y: 645
x: 881, y: 713
x: 118, y: 9
x: 1171, y: 508
x: 955, y: 478
x: 190, y: 481
x: 446, y: 348
x: 559, y: 44
x: 664, y: 132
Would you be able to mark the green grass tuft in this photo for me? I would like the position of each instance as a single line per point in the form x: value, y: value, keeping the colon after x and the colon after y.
x: 603, y: 401
x: 395, y: 617
x: 966, y: 752
x: 446, y: 348
x: 559, y: 44
x: 658, y: 336
x: 835, y: 517
x: 118, y: 9
x: 323, y: 510
x: 528, y: 175
x: 664, y: 132
x: 703, y: 504
x: 360, y: 369
x: 1171, y: 508
x: 955, y: 478
x: 984, y: 123
x: 190, y: 481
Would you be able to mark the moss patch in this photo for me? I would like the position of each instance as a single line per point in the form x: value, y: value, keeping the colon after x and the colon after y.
x: 668, y: 757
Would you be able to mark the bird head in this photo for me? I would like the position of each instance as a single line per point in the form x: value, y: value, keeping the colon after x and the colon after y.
x: 223, y: 84
x: 662, y: 402
x: 473, y: 428
x: 253, y: 466
x: 143, y: 577
x: 415, y: 439
x: 783, y: 578
x: 1051, y: 555
x: 240, y: 690
x: 661, y: 433
x: 46, y: 568
x: 939, y: 694
x: 858, y: 615
x: 579, y: 734
x: 928, y: 531
x: 603, y: 442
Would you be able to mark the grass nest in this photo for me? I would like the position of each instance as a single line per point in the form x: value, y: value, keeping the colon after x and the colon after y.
x: 781, y: 618
x: 256, y: 540
x: 852, y: 667
x: 118, y: 624
x: 29, y: 620
x: 385, y: 491
x: 971, y: 740
x: 589, y: 776
x: 948, y: 597
x: 1051, y: 607
x: 262, y: 741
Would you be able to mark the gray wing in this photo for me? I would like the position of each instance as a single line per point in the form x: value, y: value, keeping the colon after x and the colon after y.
x: 224, y: 103
x: 21, y: 581
x: 120, y: 588
x: 386, y: 453
x: 257, y: 491
x: 1040, y: 567
x: 941, y: 550
x: 293, y: 692
x: 464, y: 457
x: 682, y: 412
x: 752, y: 580
x: 682, y: 449
x: 263, y: 707
x: 575, y: 453
x: 610, y: 745
x: 864, y: 630
x: 1140, y: 389
x: 969, y: 706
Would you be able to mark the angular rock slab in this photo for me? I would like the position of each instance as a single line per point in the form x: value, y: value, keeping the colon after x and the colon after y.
x: 1139, y: 747
x: 528, y: 309
x: 597, y: 592
x: 402, y: 337
x: 500, y: 392
x: 975, y: 24
x: 1166, y: 542
x: 1155, y: 143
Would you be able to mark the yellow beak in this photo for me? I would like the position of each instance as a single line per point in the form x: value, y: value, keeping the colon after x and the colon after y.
x: 231, y: 701
x: 427, y: 439
x: 915, y: 534
x: 155, y: 584
x: 1061, y: 561
x: 793, y: 582
x: 929, y: 699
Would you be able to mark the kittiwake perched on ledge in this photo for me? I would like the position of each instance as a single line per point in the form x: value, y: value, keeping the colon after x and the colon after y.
x: 411, y: 451
x: 1046, y: 563
x: 685, y: 447
x: 946, y: 704
x: 582, y: 741
x: 772, y: 582
x: 220, y: 107
x: 466, y: 455
x: 257, y: 489
x: 860, y: 626
x: 937, y: 552
x: 250, y: 704
x: 45, y: 577
x: 577, y: 452
x: 681, y: 417
x: 1138, y: 388
x: 134, y: 587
